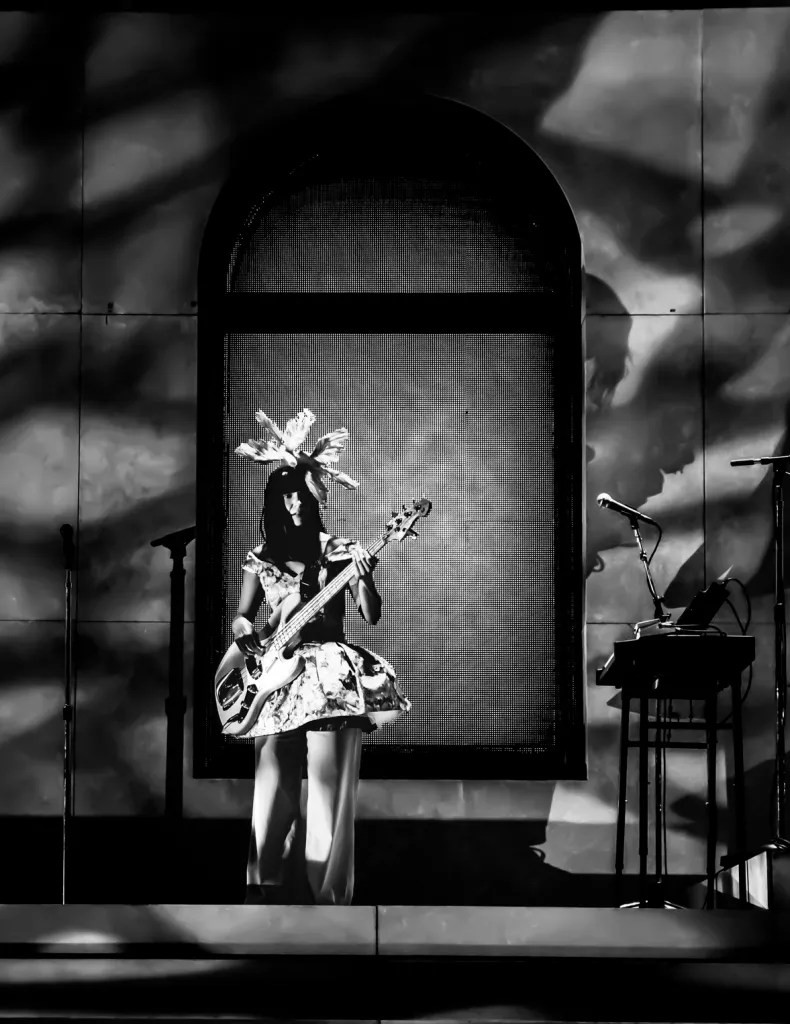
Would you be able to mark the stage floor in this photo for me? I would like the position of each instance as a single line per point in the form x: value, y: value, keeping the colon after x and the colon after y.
x: 393, y: 963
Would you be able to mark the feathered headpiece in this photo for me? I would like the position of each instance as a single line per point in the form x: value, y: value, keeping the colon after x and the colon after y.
x: 284, y: 446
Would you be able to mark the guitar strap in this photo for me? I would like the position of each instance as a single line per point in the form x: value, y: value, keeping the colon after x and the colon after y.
x: 309, y: 583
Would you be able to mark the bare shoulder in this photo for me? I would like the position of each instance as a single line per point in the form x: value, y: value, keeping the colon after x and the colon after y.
x: 258, y: 560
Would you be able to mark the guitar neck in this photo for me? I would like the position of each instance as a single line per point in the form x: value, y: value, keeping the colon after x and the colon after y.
x: 315, y: 604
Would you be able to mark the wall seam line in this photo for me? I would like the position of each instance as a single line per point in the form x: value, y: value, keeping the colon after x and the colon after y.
x: 703, y: 354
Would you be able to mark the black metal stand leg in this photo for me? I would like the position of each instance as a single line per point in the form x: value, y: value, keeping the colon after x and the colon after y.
x: 175, y: 707
x: 69, y: 561
x: 622, y: 799
x: 780, y: 659
x: 778, y: 797
x: 68, y: 799
x: 175, y: 703
x: 643, y: 808
x: 712, y: 809
x: 657, y: 799
x: 738, y: 787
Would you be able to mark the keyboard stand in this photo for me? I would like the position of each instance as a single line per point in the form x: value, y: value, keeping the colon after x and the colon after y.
x: 660, y: 690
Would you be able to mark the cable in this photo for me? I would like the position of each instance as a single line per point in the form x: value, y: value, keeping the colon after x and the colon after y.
x: 711, y: 628
x: 743, y: 629
x: 748, y: 685
x: 744, y: 695
x: 734, y: 579
x: 655, y: 546
x: 732, y: 608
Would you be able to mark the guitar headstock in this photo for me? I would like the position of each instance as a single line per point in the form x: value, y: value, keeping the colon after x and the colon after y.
x: 399, y: 526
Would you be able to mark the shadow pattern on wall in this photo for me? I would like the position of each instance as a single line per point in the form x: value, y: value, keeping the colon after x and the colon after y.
x: 666, y: 410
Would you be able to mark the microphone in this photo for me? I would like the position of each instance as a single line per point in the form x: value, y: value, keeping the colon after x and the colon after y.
x: 765, y: 460
x: 67, y: 533
x: 607, y: 501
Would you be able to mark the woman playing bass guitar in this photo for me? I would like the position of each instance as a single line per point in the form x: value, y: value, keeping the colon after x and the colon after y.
x: 319, y: 718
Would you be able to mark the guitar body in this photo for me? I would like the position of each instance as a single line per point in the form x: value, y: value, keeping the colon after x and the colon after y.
x: 243, y: 682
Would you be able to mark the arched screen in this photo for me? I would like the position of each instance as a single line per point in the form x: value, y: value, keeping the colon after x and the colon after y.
x: 398, y: 292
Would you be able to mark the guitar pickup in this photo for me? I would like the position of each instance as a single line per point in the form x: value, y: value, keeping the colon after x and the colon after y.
x: 253, y: 668
x: 229, y: 689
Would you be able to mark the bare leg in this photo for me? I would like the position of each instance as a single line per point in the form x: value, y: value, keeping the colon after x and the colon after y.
x: 275, y: 806
x: 332, y: 783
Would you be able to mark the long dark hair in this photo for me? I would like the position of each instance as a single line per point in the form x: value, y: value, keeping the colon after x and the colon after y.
x: 283, y: 539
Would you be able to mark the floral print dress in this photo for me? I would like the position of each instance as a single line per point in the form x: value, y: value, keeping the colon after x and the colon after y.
x: 342, y: 684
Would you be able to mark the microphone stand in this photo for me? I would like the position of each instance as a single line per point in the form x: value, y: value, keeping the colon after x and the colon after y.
x: 656, y: 899
x: 779, y: 802
x: 67, y: 533
x: 658, y: 605
x: 175, y: 708
x: 175, y: 703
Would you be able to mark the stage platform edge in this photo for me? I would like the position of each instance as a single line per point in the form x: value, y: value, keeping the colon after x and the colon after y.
x: 208, y: 931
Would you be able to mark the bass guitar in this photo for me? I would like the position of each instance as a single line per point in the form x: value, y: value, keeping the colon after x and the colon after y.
x: 243, y: 682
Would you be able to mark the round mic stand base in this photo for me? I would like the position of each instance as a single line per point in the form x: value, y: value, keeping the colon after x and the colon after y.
x: 648, y: 905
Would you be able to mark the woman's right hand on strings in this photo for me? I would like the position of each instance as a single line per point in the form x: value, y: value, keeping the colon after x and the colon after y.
x: 248, y: 644
x: 247, y: 640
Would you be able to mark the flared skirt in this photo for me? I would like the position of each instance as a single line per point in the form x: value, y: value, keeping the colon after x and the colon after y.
x: 340, y: 681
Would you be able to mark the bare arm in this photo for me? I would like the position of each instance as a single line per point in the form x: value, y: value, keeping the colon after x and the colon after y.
x: 363, y: 589
x: 249, y: 603
x: 243, y: 626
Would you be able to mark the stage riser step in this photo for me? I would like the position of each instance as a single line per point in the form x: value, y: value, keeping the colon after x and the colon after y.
x: 390, y: 932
